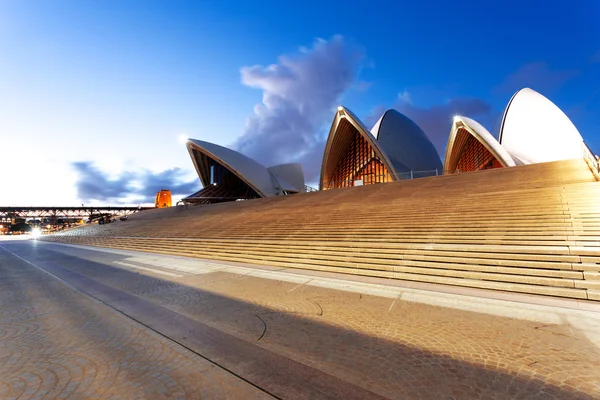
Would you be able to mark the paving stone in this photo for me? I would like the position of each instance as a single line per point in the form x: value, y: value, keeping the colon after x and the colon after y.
x: 400, y: 347
x: 57, y: 343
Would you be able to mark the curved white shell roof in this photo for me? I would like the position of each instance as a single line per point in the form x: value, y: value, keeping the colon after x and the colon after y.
x: 405, y: 143
x: 482, y: 135
x: 254, y: 174
x: 535, y: 130
x: 289, y: 176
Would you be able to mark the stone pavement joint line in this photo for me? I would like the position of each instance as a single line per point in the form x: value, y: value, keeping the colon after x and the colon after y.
x: 56, y: 343
x: 390, y: 342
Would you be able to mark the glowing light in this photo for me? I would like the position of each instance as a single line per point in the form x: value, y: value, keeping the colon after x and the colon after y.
x: 36, y: 232
x: 456, y: 118
x: 48, y: 226
x: 182, y: 138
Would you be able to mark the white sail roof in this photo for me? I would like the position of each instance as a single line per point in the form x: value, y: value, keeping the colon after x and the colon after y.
x: 405, y: 143
x: 535, y: 130
x: 251, y: 172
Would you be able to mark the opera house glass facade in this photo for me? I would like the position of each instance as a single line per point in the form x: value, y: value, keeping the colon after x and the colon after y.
x: 358, y: 161
x: 474, y: 155
x: 392, y: 150
x: 472, y: 148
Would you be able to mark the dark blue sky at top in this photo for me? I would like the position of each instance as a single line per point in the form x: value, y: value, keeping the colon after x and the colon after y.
x: 98, y: 71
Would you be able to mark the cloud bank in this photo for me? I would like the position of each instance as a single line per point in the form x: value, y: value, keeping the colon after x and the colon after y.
x: 436, y: 120
x: 300, y: 94
x: 93, y: 184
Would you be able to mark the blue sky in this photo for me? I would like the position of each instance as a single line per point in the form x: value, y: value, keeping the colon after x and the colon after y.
x: 94, y: 94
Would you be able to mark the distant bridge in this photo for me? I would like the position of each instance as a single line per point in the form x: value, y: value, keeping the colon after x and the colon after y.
x: 8, y: 213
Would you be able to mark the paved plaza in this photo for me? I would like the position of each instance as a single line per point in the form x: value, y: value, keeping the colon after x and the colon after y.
x: 86, y: 323
x: 57, y: 343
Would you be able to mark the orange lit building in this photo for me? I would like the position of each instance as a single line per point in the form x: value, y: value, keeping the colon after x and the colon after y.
x: 163, y: 199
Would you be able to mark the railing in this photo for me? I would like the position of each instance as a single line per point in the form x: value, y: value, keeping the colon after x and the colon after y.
x: 66, y: 212
x: 310, y: 189
x: 417, y: 174
x: 374, y: 179
x: 591, y: 159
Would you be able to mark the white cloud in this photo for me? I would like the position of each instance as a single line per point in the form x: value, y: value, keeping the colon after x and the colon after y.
x: 404, y: 97
x: 94, y: 184
x: 300, y: 94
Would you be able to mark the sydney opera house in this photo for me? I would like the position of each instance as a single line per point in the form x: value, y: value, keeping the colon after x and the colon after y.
x: 533, y: 130
x: 515, y: 211
x: 392, y: 150
x: 502, y: 234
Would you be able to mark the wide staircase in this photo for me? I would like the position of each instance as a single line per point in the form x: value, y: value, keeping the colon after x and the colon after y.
x: 530, y: 229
